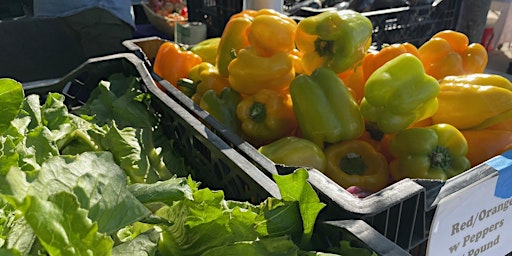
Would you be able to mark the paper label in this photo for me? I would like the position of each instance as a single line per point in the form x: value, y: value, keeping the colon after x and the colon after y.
x: 472, y: 221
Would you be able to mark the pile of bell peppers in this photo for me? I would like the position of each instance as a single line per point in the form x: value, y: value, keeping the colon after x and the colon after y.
x: 312, y: 93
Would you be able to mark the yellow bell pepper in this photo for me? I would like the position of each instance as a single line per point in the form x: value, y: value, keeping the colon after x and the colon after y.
x: 207, y: 49
x: 295, y: 151
x: 266, y: 116
x: 206, y: 77
x: 250, y: 72
x: 356, y: 163
x: 474, y: 101
x: 268, y: 31
x: 272, y: 32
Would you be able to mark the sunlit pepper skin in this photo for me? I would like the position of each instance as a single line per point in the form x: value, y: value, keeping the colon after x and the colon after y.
x: 189, y: 84
x: 354, y: 80
x: 266, y: 30
x: 172, y: 63
x: 356, y: 163
x: 208, y: 79
x: 398, y: 94
x: 474, y: 101
x: 266, y: 116
x: 433, y: 152
x: 272, y: 32
x: 379, y: 141
x: 207, y: 49
x: 250, y: 72
x: 295, y: 151
x: 222, y: 106
x: 232, y: 40
x: 374, y: 60
x: 485, y: 144
x: 324, y: 108
x: 337, y: 40
x: 449, y: 53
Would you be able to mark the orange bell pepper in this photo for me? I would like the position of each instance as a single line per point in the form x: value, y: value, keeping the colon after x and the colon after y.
x: 379, y: 142
x: 485, y: 144
x: 505, y: 125
x: 173, y: 63
x: 449, y: 53
x: 373, y: 60
x: 354, y: 81
x: 266, y: 116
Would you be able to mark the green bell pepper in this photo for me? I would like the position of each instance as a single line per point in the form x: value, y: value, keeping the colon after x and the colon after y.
x: 295, y: 151
x: 433, y: 152
x: 337, y: 40
x: 324, y: 108
x: 223, y: 107
x: 398, y: 94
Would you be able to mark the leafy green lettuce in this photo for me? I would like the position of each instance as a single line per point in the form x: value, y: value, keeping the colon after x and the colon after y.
x: 197, y: 222
x: 101, y: 180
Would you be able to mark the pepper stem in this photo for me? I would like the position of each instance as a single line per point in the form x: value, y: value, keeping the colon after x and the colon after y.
x: 324, y: 47
x: 353, y: 164
x: 374, y: 131
x: 258, y: 112
x: 440, y: 157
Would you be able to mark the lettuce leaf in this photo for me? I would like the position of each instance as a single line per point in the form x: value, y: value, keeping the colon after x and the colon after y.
x: 97, y: 182
x: 144, y: 244
x: 62, y: 226
x: 294, y: 187
x: 276, y: 246
x: 11, y: 97
x: 196, y: 223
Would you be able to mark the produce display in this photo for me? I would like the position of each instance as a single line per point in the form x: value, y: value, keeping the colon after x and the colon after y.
x: 342, y: 92
x: 103, y: 179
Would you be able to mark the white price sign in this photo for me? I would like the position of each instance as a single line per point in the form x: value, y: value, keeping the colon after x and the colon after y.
x: 476, y: 220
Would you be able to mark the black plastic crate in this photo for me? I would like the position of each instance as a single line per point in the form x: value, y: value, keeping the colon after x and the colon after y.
x: 11, y: 9
x: 214, y: 163
x: 358, y: 233
x: 215, y: 14
x: 396, y: 211
x: 402, y: 212
x: 414, y: 24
